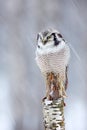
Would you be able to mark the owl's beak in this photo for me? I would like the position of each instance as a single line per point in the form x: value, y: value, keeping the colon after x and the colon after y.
x: 44, y: 41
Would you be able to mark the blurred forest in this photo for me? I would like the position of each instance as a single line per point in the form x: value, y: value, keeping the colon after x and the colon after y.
x: 21, y: 84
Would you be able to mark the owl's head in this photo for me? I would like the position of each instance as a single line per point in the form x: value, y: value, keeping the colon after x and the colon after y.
x: 50, y: 39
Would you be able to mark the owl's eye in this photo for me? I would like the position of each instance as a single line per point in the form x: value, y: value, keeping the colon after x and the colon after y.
x: 49, y: 37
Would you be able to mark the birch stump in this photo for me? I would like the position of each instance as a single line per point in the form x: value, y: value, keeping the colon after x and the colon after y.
x: 53, y: 104
x: 53, y: 64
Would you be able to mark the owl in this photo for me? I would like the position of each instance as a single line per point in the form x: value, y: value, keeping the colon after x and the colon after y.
x: 52, y: 54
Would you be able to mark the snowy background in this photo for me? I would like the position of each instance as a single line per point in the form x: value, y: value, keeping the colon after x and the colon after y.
x: 21, y: 83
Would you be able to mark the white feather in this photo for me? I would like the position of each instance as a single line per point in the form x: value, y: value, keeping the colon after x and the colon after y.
x: 45, y: 49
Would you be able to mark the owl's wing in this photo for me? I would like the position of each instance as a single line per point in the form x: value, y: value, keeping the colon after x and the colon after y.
x: 66, y: 80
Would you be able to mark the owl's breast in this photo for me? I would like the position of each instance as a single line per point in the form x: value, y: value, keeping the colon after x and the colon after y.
x: 55, y: 61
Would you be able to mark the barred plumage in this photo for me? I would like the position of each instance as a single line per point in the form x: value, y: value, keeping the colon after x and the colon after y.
x: 53, y: 58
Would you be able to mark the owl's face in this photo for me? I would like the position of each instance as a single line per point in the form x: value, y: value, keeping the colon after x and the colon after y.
x: 49, y: 39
